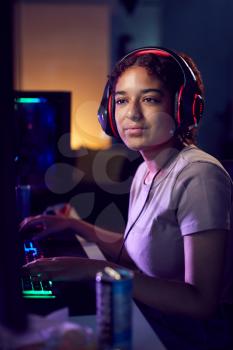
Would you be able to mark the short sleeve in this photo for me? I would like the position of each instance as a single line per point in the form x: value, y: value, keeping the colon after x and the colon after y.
x: 203, y: 193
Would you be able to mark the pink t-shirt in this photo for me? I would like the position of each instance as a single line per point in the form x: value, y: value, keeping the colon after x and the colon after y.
x: 192, y: 193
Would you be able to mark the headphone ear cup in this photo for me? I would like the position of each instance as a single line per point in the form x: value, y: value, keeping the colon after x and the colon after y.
x: 105, y: 113
x: 112, y: 127
x: 197, y: 108
x: 103, y: 109
x: 112, y: 119
x: 179, y: 106
x: 190, y: 107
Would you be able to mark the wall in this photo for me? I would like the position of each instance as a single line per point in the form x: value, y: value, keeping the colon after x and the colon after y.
x: 204, y: 29
x: 131, y: 30
x: 65, y: 45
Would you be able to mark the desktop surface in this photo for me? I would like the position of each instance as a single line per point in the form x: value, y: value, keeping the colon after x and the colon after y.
x: 80, y: 297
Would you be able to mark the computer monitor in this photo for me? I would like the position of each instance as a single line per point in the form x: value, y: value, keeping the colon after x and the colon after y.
x: 12, y: 313
x: 42, y: 118
x: 32, y: 123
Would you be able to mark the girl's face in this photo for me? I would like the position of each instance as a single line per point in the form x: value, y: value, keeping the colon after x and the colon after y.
x: 143, y: 110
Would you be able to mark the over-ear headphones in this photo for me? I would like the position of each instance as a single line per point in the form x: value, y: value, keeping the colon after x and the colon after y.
x: 189, y: 103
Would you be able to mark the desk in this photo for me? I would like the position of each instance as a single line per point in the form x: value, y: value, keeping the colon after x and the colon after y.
x: 143, y: 335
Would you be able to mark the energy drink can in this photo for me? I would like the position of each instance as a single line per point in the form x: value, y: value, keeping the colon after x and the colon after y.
x: 114, y: 309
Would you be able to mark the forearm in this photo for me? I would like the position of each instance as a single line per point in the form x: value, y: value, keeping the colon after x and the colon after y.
x: 167, y: 296
x: 171, y: 297
x: 109, y: 242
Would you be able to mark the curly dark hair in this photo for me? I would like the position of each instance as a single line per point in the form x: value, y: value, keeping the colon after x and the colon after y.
x: 167, y: 70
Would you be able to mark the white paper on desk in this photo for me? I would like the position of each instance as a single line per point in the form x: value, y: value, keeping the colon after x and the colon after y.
x: 91, y: 249
x: 40, y: 330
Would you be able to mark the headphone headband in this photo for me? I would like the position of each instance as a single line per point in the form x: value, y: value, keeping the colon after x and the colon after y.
x: 188, y: 102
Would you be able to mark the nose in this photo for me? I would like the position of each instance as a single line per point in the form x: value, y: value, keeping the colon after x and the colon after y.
x: 134, y: 111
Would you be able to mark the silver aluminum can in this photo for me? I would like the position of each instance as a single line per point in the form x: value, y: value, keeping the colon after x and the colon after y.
x: 114, y: 309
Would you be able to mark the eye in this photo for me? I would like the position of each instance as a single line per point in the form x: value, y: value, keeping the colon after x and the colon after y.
x: 152, y: 100
x: 120, y: 101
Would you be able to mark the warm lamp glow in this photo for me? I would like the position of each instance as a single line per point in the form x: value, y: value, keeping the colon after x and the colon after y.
x: 85, y: 129
x: 67, y: 51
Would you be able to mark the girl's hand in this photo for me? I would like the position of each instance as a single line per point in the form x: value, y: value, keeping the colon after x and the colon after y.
x: 42, y: 226
x: 63, y: 210
x: 65, y: 268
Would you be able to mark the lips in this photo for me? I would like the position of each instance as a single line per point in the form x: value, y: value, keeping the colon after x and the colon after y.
x: 134, y: 131
x: 134, y: 128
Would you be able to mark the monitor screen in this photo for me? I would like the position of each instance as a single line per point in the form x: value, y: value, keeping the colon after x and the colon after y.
x: 42, y: 118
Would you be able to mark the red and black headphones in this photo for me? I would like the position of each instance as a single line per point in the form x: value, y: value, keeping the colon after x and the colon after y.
x: 189, y: 104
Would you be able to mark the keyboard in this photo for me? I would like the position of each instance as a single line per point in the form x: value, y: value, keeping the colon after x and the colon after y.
x: 64, y: 243
x: 43, y: 297
x: 33, y: 286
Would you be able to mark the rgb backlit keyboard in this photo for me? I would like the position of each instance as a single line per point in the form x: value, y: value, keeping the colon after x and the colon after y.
x: 34, y: 286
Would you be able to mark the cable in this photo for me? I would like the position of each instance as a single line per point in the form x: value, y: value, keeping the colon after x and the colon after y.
x: 127, y: 234
x: 143, y: 207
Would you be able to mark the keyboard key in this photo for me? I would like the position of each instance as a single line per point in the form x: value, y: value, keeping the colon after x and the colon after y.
x: 47, y: 285
x: 26, y: 283
x: 29, y: 256
x: 36, y: 283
